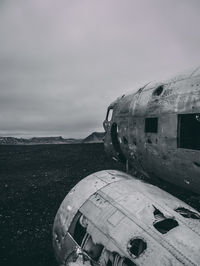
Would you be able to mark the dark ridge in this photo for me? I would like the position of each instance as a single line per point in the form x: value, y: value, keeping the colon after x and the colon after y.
x: 95, y: 137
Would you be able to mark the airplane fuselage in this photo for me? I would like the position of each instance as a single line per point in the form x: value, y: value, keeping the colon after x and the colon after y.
x: 113, y: 219
x: 157, y: 129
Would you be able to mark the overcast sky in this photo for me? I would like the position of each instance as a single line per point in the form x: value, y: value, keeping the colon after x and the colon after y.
x: 62, y: 62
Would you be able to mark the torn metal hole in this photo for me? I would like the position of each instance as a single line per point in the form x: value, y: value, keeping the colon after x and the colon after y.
x: 163, y: 224
x: 158, y: 91
x: 187, y: 213
x: 137, y: 246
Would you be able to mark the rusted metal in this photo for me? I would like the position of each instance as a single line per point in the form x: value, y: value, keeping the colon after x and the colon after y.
x: 166, y: 147
x: 111, y: 218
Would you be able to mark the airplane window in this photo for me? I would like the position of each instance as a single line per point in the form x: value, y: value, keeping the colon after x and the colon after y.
x: 137, y: 246
x: 109, y: 114
x: 77, y: 228
x: 189, y: 131
x: 151, y: 125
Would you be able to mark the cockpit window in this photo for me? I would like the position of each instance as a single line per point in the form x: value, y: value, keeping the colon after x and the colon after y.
x: 109, y: 114
x: 78, y: 227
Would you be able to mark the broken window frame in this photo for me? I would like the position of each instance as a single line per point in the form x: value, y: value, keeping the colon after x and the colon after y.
x: 76, y: 229
x: 74, y: 251
x: 162, y: 223
x: 78, y: 234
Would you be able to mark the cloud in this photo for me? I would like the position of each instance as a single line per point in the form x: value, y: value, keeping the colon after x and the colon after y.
x: 63, y: 62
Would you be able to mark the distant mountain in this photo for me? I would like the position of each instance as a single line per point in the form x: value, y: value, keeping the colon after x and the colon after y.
x: 95, y: 137
x: 37, y: 141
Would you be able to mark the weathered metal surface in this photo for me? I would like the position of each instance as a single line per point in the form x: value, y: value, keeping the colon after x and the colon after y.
x: 157, y: 153
x: 69, y: 207
x: 124, y: 221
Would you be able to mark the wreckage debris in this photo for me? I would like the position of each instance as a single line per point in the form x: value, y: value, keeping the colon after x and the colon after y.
x: 113, y: 219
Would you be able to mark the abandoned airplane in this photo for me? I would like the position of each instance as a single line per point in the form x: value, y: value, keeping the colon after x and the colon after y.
x: 157, y: 130
x: 112, y: 219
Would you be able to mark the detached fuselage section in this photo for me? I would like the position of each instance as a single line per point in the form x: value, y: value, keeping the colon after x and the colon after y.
x: 157, y: 129
x: 112, y: 219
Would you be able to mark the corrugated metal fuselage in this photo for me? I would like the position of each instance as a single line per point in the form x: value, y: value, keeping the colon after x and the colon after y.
x: 157, y: 130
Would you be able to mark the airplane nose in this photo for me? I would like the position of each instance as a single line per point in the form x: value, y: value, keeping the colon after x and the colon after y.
x: 72, y: 203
